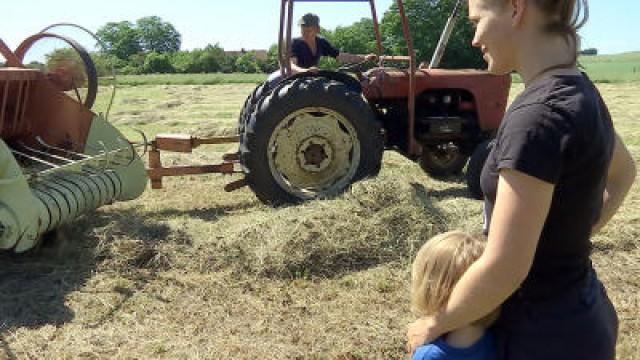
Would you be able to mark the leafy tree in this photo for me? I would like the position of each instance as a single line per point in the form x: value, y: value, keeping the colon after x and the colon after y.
x: 247, y: 63
x: 67, y: 61
x: 427, y: 19
x: 134, y: 65
x: 271, y: 64
x: 358, y: 38
x: 106, y: 63
x: 158, y: 36
x: 228, y: 64
x: 156, y: 63
x: 589, y: 51
x: 121, y: 39
x: 184, y: 62
x: 211, y: 59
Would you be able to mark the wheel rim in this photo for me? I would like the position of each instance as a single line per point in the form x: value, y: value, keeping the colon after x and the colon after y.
x: 87, y: 62
x: 444, y: 156
x: 313, y: 152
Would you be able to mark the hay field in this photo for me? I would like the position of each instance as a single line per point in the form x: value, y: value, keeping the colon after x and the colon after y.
x: 191, y: 272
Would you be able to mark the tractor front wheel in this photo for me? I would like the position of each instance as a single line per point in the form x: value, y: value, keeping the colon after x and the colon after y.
x: 443, y: 160
x: 310, y: 138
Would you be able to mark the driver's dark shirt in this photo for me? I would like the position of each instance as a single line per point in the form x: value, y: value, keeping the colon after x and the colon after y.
x: 306, y: 59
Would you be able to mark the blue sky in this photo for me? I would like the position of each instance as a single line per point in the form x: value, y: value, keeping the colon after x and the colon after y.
x: 613, y: 27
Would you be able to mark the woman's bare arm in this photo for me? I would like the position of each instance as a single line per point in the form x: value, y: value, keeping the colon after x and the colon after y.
x: 295, y: 68
x: 355, y: 58
x: 622, y: 173
x: 521, y: 207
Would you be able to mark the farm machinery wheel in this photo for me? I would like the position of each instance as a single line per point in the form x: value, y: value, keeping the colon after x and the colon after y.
x: 443, y: 160
x: 310, y: 138
x: 474, y: 169
x: 64, y: 74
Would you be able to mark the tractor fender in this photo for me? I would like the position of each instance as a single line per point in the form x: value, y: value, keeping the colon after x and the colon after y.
x: 349, y: 81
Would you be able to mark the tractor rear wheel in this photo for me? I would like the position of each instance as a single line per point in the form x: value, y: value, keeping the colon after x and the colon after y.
x: 474, y: 169
x: 443, y: 160
x: 310, y: 138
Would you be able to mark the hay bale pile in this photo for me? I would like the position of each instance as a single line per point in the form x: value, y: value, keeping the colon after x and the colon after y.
x: 378, y: 221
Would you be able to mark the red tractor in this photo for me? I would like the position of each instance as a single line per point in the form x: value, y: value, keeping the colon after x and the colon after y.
x: 313, y: 134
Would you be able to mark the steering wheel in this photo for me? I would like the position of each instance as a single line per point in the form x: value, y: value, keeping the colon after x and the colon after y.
x: 356, y: 68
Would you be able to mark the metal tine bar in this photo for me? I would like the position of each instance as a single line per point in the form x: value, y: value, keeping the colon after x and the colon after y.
x: 15, y: 122
x: 43, y: 143
x: 5, y: 96
x: 36, y: 159
x: 105, y: 153
x: 27, y: 124
x: 46, y: 153
x: 95, y: 161
x: 130, y: 146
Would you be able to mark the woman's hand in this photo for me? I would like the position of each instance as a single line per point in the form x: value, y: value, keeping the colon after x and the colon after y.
x: 420, y: 332
x: 371, y: 57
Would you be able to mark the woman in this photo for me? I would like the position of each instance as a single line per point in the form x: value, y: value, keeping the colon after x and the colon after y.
x: 307, y: 50
x: 557, y: 174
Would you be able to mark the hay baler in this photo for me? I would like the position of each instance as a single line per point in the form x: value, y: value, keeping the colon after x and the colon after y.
x: 58, y: 159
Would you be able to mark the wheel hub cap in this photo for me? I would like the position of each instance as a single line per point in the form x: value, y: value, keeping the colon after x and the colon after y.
x: 314, y: 151
x: 315, y: 154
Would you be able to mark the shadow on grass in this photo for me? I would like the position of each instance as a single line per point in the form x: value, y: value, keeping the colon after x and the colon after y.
x: 206, y: 214
x: 34, y: 286
x: 457, y: 187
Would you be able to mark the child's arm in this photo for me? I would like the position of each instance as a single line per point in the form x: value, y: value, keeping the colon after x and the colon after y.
x: 522, y: 204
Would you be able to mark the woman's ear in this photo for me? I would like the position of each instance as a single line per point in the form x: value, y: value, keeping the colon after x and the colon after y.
x: 518, y: 8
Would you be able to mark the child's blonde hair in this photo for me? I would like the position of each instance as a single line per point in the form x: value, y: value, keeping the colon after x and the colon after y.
x: 438, y: 266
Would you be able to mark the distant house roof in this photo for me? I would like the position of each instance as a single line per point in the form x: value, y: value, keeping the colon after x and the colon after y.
x: 260, y: 54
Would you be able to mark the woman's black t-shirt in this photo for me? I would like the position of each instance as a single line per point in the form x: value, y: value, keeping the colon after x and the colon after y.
x: 307, y: 59
x: 558, y: 130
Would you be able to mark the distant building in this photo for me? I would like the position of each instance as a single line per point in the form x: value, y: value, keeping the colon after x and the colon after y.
x: 260, y: 54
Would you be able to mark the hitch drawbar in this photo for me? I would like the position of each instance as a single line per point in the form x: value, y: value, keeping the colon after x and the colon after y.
x: 184, y: 143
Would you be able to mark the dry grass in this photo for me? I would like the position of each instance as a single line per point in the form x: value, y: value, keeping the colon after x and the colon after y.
x: 192, y: 272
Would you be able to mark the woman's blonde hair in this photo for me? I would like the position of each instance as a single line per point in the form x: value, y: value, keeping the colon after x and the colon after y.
x: 438, y: 266
x: 566, y: 17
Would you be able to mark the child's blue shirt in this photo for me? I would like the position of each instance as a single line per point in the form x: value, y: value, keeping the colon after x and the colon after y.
x: 483, y: 349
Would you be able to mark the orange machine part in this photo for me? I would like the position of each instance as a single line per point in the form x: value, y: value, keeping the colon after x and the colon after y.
x: 31, y: 106
x: 490, y: 92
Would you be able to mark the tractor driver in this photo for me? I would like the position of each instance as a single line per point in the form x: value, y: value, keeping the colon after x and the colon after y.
x: 307, y: 50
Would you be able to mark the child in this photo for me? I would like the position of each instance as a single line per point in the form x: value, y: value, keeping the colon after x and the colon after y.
x: 437, y: 267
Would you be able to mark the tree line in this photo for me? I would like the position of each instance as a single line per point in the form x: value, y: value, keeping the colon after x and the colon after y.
x: 152, y: 45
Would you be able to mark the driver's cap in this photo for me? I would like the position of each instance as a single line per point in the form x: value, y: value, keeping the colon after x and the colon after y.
x: 309, y: 19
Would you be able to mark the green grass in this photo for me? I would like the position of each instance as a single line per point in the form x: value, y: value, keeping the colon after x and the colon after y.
x: 612, y: 68
x: 619, y: 68
x: 190, y: 79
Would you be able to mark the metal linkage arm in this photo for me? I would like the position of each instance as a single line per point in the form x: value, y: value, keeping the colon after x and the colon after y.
x: 185, y: 144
